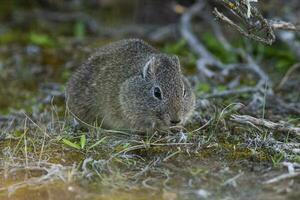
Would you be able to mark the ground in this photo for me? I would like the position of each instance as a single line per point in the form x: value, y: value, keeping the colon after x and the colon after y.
x: 44, y: 155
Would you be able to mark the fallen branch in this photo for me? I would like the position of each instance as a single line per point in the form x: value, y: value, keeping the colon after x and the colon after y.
x: 191, y: 38
x: 225, y: 93
x: 207, y: 59
x: 282, y: 177
x: 291, y: 173
x: 246, y: 119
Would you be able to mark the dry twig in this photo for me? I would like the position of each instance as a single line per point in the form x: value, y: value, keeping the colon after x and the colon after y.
x: 257, y: 27
x: 283, y: 25
x: 282, y: 177
x: 246, y: 119
x: 291, y: 173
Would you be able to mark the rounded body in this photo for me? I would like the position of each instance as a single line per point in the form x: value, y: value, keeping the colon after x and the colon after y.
x: 115, y: 88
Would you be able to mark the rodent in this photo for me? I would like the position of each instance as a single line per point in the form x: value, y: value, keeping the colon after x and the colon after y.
x: 129, y: 84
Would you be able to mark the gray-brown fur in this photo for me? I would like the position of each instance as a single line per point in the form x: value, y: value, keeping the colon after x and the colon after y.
x: 115, y: 88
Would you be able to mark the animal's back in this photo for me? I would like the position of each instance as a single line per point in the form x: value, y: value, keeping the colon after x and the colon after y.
x: 93, y: 90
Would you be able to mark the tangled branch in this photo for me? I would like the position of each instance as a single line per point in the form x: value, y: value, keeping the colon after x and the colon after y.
x: 255, y: 23
x: 207, y: 60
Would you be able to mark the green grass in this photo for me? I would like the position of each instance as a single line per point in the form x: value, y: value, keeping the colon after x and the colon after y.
x: 108, y: 160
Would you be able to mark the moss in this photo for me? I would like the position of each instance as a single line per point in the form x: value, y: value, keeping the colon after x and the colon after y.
x: 34, y: 38
x: 214, y: 46
x: 279, y: 54
x: 203, y: 88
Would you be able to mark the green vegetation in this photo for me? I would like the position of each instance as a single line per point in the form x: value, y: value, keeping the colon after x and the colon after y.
x: 81, y: 145
x: 213, y: 45
x: 181, y: 49
x: 43, y: 150
x: 279, y: 55
x: 277, y: 159
x: 33, y: 38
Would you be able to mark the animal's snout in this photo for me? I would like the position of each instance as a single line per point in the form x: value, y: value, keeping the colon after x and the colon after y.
x: 175, y: 122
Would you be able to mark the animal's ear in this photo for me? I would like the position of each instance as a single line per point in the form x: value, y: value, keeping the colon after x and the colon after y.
x: 176, y: 62
x: 175, y: 59
x: 149, y: 68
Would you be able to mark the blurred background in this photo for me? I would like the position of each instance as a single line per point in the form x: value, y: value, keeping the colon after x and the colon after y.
x: 43, y: 41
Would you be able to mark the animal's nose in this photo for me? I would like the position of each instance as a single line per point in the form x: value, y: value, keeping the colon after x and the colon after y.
x: 175, y: 122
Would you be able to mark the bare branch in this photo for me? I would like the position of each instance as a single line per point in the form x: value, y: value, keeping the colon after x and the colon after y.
x: 246, y: 119
x: 283, y: 25
x: 233, y: 92
x: 257, y: 27
x: 206, y: 59
x: 293, y: 172
x: 282, y: 177
x: 186, y: 32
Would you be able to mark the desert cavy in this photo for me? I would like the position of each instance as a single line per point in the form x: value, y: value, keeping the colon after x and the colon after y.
x: 130, y: 85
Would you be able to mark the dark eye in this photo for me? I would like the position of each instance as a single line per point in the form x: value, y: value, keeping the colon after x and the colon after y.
x: 184, y: 92
x: 157, y: 93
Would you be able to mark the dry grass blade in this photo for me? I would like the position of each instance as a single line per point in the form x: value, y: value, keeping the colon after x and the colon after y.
x: 288, y: 74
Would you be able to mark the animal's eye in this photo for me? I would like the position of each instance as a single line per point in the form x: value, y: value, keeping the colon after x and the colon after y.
x: 157, y: 93
x: 184, y: 92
